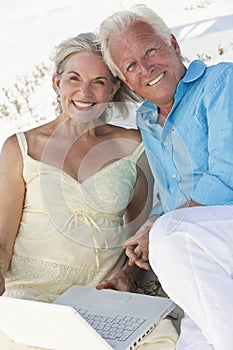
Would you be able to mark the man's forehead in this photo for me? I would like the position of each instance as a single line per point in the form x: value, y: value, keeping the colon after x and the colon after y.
x: 138, y: 30
x: 139, y: 27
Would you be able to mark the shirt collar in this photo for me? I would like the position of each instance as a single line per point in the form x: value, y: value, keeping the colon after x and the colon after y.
x: 147, y: 106
x: 147, y: 112
x: 195, y: 70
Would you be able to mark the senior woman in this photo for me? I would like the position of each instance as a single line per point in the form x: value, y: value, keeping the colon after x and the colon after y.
x: 79, y: 188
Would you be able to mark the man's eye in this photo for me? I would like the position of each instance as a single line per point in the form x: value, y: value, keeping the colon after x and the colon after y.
x: 150, y: 51
x: 130, y: 67
x: 99, y: 82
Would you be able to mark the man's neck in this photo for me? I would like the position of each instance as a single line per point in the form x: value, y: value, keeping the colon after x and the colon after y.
x: 162, y: 114
x: 161, y: 120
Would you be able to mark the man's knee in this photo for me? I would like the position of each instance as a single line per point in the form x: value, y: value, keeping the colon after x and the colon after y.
x: 160, y: 240
x: 168, y: 235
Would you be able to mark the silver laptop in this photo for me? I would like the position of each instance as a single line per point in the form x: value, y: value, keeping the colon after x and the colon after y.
x: 122, y: 319
x: 83, y: 317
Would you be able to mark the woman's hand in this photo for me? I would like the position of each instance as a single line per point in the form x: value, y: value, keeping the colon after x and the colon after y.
x: 123, y: 280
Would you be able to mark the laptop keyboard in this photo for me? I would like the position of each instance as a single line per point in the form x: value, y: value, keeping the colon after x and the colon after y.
x: 112, y: 327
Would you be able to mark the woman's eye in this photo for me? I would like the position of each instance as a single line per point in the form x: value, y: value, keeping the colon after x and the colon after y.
x: 74, y: 78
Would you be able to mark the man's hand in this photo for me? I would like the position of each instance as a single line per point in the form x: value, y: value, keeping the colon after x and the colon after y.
x: 123, y: 280
x: 137, y: 246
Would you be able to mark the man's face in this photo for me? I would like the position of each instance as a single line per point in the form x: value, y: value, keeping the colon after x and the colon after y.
x: 150, y: 66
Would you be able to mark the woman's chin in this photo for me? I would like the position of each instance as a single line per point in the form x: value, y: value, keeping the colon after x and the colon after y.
x: 89, y: 114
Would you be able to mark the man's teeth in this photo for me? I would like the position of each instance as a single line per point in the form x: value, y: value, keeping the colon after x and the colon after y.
x: 156, y: 80
x: 83, y: 104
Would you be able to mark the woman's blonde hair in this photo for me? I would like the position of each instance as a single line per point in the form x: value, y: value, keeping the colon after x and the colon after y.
x: 87, y: 42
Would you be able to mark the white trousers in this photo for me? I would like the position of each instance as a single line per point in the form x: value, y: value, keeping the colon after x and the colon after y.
x: 191, y: 251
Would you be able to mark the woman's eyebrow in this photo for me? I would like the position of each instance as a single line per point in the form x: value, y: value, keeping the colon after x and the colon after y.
x: 73, y: 72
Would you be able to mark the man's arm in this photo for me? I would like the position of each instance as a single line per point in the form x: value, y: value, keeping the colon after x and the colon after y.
x: 137, y: 247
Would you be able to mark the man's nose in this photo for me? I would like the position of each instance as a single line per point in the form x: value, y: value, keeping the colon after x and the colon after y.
x: 145, y: 66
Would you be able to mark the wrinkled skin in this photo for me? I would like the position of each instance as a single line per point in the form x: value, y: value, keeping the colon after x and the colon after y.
x: 2, y: 282
x: 123, y: 280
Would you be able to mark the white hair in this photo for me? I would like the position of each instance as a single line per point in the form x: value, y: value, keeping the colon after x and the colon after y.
x: 120, y: 21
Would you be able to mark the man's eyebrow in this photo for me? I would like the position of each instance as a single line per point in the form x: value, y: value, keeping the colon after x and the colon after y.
x: 150, y: 46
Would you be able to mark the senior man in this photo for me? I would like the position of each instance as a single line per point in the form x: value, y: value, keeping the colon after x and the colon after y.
x: 186, y: 122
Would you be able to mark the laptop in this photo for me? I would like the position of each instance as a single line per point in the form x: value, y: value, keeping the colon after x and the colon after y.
x: 80, y: 318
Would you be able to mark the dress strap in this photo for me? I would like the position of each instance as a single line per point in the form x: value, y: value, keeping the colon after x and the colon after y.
x: 138, y: 152
x: 22, y: 143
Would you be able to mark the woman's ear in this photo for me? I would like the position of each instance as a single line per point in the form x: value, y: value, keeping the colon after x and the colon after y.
x: 56, y: 82
x: 115, y: 88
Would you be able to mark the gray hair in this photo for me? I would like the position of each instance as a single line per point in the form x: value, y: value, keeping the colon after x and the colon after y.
x: 120, y: 21
x: 87, y: 42
x: 84, y: 42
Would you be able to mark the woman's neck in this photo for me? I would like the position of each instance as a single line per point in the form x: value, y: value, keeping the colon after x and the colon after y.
x: 71, y: 126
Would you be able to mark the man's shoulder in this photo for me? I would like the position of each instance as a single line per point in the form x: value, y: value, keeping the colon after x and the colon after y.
x: 198, y: 69
x: 208, y: 76
x: 219, y: 76
x: 221, y: 66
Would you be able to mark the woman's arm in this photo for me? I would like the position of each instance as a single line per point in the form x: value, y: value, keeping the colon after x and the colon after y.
x: 136, y: 213
x: 140, y: 205
x: 12, y: 190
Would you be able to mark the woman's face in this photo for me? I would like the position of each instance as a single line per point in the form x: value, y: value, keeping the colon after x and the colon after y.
x: 85, y: 86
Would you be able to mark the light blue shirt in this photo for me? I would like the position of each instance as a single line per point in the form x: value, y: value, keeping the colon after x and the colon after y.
x: 191, y: 157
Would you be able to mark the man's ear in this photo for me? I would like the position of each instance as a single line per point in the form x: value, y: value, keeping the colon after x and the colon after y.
x: 56, y: 83
x: 128, y: 84
x: 175, y: 45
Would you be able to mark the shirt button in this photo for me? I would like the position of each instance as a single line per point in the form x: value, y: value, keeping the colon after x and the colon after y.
x: 165, y: 143
x: 152, y: 121
x: 180, y: 199
x: 174, y: 176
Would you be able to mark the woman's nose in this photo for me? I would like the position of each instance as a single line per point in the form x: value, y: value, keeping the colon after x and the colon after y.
x: 84, y: 88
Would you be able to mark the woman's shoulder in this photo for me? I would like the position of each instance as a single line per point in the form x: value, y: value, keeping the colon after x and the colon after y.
x: 47, y: 128
x: 127, y: 133
x: 10, y: 143
x: 11, y: 155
